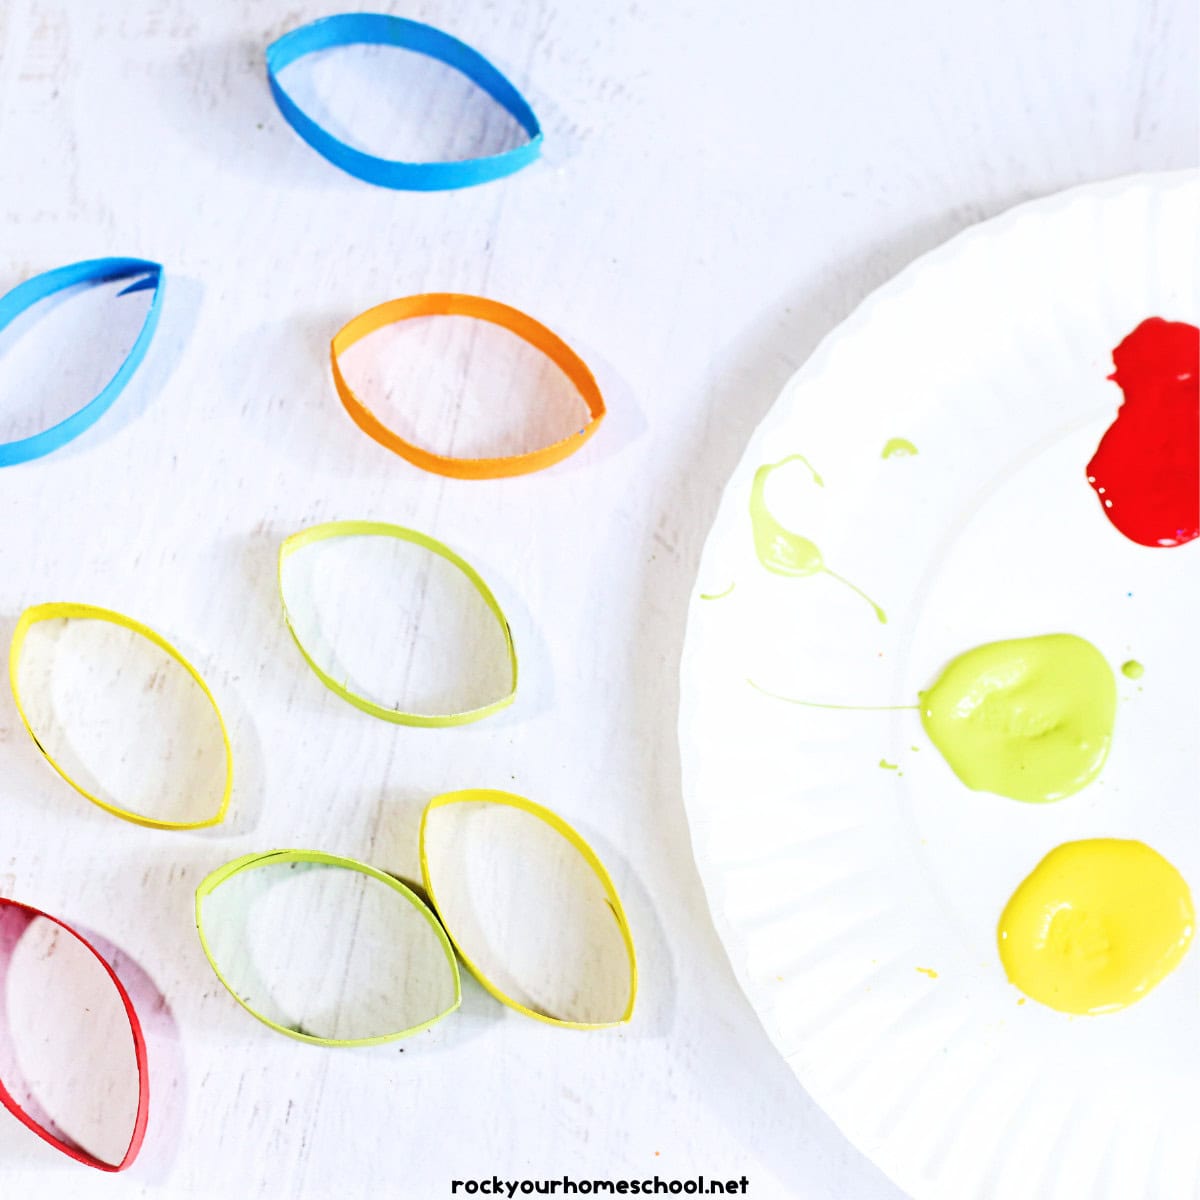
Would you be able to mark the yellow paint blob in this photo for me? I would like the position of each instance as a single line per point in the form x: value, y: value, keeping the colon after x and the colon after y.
x: 926, y: 971
x: 1097, y: 926
x: 778, y: 548
x: 1132, y: 669
x: 1029, y: 718
x: 899, y: 448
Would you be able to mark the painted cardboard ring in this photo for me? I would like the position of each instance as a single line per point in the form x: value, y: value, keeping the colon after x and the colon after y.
x: 379, y: 29
x: 457, y: 304
x: 575, y: 839
x: 251, y: 862
x: 141, y: 1119
x: 89, y: 612
x: 339, y: 529
x: 145, y: 274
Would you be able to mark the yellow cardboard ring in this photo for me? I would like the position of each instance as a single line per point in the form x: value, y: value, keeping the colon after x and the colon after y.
x: 250, y: 862
x: 511, y: 800
x: 338, y: 529
x: 88, y: 612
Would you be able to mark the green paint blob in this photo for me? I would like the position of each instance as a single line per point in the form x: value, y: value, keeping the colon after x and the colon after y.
x: 1029, y: 718
x: 899, y: 448
x: 782, y: 551
x: 1132, y: 669
x: 887, y: 766
x: 718, y: 595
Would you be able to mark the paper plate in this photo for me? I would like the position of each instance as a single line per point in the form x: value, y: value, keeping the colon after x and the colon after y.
x: 857, y: 901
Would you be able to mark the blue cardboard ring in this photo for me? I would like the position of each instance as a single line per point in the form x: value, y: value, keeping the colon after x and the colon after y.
x: 145, y: 274
x: 379, y: 29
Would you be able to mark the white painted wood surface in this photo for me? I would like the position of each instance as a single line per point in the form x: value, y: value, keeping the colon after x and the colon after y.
x: 721, y: 184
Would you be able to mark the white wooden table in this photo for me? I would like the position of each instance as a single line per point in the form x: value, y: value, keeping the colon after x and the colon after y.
x: 722, y: 183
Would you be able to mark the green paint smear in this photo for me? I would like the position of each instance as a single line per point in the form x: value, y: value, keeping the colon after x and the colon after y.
x: 899, y: 448
x: 1029, y: 718
x: 839, y: 707
x: 718, y: 595
x: 887, y: 766
x: 1132, y: 669
x: 782, y: 551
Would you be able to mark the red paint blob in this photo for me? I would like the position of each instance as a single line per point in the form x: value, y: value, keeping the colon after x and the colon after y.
x: 1146, y: 470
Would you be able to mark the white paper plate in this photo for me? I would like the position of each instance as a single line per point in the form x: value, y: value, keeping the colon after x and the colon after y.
x: 832, y: 880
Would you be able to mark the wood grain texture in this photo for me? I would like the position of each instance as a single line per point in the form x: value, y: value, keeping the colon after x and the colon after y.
x: 722, y: 184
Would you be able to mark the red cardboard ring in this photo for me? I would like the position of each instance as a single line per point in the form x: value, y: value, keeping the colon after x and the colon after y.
x: 139, y: 1049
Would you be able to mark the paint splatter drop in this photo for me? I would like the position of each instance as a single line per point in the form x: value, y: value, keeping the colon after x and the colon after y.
x: 782, y: 551
x: 1146, y: 470
x: 1132, y: 669
x: 899, y: 448
x: 1029, y: 718
x: 927, y: 971
x: 1096, y: 926
x: 887, y: 766
x: 718, y: 595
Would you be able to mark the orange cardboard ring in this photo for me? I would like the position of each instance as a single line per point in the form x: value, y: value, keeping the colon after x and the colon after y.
x: 446, y: 304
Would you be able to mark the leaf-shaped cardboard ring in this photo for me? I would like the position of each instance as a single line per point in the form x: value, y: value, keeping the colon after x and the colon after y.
x: 339, y: 529
x: 455, y: 304
x: 89, y: 612
x: 252, y: 862
x: 139, y: 1050
x: 378, y: 29
x: 511, y: 800
x: 97, y: 270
